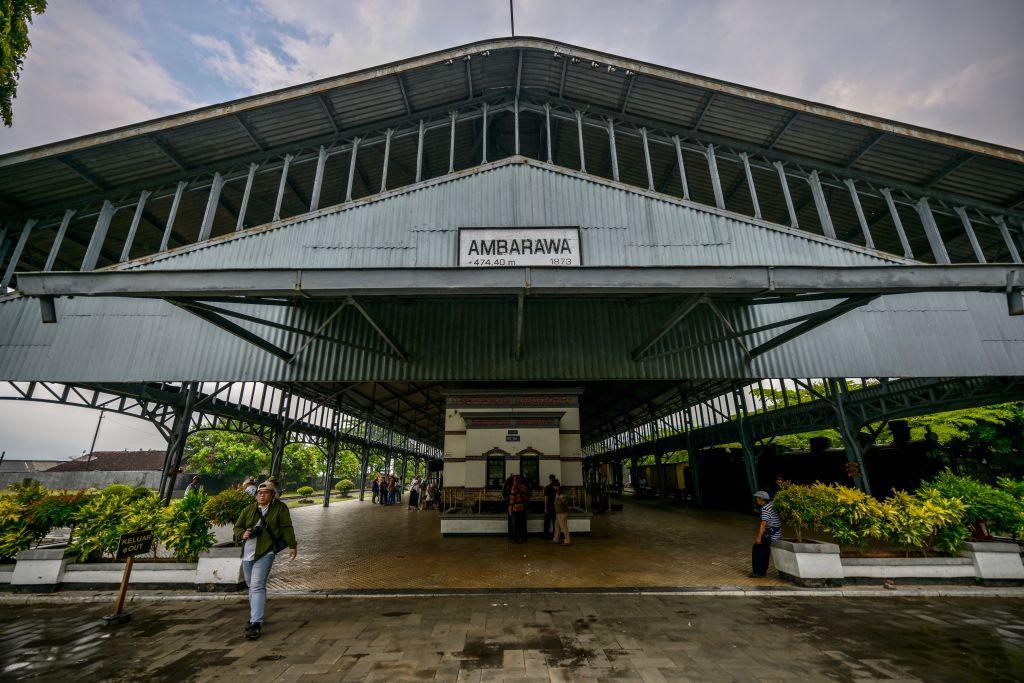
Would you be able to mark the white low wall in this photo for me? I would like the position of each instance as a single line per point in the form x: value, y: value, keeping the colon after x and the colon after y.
x: 816, y: 564
x: 47, y: 569
x: 497, y: 525
x: 148, y: 573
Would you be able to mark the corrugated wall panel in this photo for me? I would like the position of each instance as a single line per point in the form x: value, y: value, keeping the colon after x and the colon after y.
x: 118, y: 340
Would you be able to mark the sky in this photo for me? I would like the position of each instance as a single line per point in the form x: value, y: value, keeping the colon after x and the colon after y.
x: 956, y: 66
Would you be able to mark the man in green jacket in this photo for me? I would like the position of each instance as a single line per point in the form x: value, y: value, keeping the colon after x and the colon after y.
x: 265, y: 529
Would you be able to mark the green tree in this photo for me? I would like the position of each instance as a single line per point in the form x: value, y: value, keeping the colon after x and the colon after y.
x: 234, y: 456
x: 226, y: 454
x: 15, y: 17
x: 347, y: 466
x: 302, y: 461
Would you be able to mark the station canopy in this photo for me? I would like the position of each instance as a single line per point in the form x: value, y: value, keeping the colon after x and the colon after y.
x: 307, y: 238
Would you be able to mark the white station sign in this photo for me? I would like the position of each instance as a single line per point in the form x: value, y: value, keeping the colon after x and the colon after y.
x: 518, y: 247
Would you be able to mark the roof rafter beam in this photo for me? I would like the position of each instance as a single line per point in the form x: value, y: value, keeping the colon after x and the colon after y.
x: 961, y: 160
x: 219, y: 320
x: 334, y: 283
x: 168, y: 150
x: 627, y: 90
x: 405, y: 95
x: 328, y: 108
x: 812, y: 323
x: 866, y: 147
x: 782, y: 131
x: 84, y: 173
x: 699, y: 119
x: 251, y: 132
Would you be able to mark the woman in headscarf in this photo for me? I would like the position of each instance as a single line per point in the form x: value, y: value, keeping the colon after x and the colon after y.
x: 519, y: 494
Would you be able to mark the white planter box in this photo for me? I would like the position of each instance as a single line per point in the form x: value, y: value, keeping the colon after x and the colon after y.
x: 817, y: 564
x: 929, y: 568
x: 220, y: 569
x: 39, y: 569
x: 995, y: 562
x: 810, y: 563
x: 150, y: 574
x: 6, y: 573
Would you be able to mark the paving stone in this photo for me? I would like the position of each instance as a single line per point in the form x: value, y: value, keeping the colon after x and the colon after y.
x: 730, y: 638
x: 680, y: 546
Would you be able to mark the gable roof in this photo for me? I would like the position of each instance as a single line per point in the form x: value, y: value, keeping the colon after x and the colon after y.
x: 113, y: 461
x: 593, y: 80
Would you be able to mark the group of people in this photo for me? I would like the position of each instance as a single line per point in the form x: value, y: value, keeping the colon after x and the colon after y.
x: 517, y: 493
x: 422, y: 494
x: 386, y: 489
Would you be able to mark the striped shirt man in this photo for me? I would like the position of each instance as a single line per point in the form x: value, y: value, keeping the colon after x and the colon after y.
x: 772, y: 521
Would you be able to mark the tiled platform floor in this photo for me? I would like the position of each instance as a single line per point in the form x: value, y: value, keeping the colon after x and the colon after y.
x: 361, y: 546
x: 526, y: 637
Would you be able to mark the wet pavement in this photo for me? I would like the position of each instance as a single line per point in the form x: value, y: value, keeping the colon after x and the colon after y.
x: 361, y: 546
x: 526, y: 637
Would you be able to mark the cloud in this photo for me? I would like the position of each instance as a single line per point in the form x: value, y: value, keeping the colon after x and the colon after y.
x: 255, y: 69
x: 85, y: 72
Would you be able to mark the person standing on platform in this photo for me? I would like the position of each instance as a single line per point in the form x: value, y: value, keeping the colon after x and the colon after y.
x: 375, y: 489
x: 549, y: 508
x: 518, y: 497
x: 561, y: 516
x: 770, y: 529
x: 414, y: 495
x: 265, y: 529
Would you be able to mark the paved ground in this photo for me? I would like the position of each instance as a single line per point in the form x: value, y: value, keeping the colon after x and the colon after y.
x: 521, y: 637
x: 361, y: 546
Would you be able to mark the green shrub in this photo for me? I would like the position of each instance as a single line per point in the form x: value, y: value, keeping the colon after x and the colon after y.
x: 186, y: 528
x: 988, y: 509
x: 110, y: 512
x: 1015, y: 487
x: 950, y: 536
x: 118, y: 490
x: 913, y: 522
x: 802, y: 507
x: 16, y: 531
x: 57, y: 510
x: 28, y: 515
x: 345, y: 485
x: 226, y: 506
x: 305, y: 491
x: 28, y: 492
x: 849, y: 515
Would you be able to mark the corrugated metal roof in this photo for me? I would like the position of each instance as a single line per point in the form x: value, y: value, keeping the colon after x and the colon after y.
x: 676, y: 98
x: 418, y: 227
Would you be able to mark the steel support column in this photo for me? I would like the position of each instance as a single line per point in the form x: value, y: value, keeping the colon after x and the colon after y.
x: 716, y: 180
x: 365, y: 461
x: 779, y: 168
x: 280, y: 437
x: 99, y: 234
x: 176, y: 444
x: 848, y: 431
x: 746, y: 443
x: 693, y: 458
x: 332, y: 457
x: 172, y: 214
